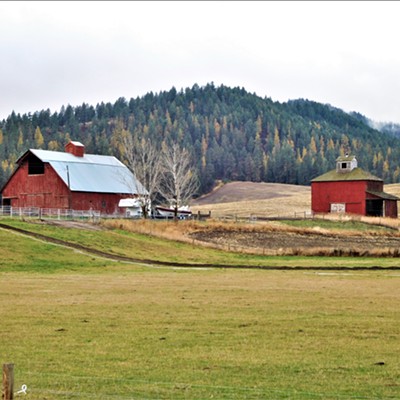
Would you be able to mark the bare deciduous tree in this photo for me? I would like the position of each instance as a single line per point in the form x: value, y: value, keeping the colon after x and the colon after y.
x: 179, y: 182
x: 144, y: 160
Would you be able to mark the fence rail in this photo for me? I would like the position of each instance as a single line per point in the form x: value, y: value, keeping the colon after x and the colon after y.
x: 49, y: 213
x: 254, y: 217
x: 94, y: 215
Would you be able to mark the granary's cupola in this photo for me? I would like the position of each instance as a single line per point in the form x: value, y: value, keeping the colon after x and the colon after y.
x: 75, y: 148
x: 346, y: 163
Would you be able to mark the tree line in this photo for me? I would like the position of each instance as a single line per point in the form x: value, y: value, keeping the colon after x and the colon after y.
x: 230, y: 134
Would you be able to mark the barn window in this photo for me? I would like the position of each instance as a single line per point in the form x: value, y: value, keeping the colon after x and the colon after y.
x: 35, y: 167
x: 344, y: 165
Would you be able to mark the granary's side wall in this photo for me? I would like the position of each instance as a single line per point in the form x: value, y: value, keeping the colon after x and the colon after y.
x: 375, y: 186
x: 351, y: 193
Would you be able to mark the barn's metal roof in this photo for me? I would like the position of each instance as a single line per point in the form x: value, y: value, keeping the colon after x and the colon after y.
x: 91, y: 173
x: 357, y: 174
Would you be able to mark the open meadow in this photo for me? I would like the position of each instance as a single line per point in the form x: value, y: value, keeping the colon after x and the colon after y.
x: 77, y: 325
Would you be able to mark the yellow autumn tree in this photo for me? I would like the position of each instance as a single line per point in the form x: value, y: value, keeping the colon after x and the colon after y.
x: 204, y: 146
x: 39, y: 140
x: 53, y: 145
x: 313, y: 146
x: 277, y: 140
x: 20, y: 143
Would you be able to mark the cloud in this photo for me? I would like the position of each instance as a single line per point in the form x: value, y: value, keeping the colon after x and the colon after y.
x: 59, y: 53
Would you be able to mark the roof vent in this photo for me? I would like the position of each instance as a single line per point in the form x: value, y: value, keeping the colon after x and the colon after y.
x: 75, y: 148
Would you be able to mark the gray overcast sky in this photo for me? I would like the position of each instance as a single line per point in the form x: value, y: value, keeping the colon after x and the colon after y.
x: 338, y: 52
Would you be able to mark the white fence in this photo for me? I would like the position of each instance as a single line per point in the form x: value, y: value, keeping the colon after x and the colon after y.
x: 49, y: 213
x: 94, y: 215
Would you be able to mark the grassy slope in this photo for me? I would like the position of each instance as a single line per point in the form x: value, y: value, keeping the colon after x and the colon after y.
x: 20, y: 253
x: 146, y: 247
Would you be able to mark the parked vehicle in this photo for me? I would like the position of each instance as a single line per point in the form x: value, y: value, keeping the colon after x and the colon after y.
x: 169, y: 212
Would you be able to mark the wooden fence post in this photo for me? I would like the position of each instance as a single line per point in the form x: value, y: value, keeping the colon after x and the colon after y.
x: 8, y: 381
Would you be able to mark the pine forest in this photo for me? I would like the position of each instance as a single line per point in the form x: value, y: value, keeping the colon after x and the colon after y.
x: 231, y: 134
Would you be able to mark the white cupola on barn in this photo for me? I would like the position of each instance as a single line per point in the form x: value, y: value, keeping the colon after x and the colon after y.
x: 346, y: 163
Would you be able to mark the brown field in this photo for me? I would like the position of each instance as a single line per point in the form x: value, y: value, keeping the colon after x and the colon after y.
x: 242, y: 199
x: 393, y: 188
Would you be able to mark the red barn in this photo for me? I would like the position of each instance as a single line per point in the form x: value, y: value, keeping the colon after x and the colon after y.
x: 349, y: 189
x: 69, y: 180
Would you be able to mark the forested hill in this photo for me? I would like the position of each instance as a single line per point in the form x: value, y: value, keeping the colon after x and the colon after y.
x: 232, y: 134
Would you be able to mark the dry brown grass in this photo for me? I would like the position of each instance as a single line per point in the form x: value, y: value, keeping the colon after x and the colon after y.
x: 165, y: 229
x: 240, y: 237
x: 179, y: 230
x: 243, y: 199
x: 393, y: 188
x: 393, y: 223
x: 278, y: 206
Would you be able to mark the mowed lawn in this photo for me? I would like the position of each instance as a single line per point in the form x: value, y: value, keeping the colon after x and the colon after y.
x: 76, y: 326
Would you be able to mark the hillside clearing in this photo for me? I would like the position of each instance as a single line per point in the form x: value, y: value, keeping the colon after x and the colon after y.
x: 243, y: 199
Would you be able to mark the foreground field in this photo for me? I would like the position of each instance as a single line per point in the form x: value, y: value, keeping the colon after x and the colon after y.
x: 127, y: 332
x: 79, y: 326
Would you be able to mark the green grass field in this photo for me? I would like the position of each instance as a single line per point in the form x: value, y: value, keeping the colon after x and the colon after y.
x: 78, y: 326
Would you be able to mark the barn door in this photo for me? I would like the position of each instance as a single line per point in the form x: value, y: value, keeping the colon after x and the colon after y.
x: 374, y: 208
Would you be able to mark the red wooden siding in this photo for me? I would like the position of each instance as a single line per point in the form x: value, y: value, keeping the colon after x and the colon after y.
x: 391, y: 209
x: 105, y: 202
x: 352, y: 193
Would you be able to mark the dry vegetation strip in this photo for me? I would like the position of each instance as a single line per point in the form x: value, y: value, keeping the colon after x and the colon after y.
x: 274, y: 238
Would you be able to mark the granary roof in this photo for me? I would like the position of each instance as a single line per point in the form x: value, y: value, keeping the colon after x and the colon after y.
x: 357, y: 174
x: 383, y: 195
x: 91, y: 173
x: 346, y: 157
